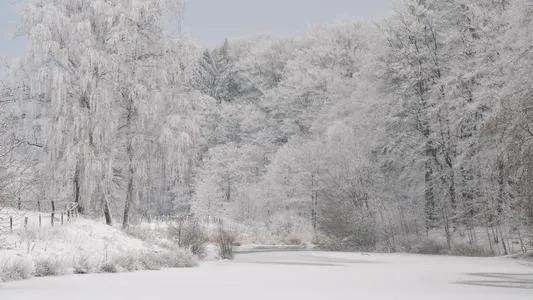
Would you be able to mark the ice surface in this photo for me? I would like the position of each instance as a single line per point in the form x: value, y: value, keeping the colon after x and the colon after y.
x: 299, y: 275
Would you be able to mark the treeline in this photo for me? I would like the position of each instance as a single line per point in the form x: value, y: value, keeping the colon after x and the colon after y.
x: 351, y: 135
x: 374, y: 137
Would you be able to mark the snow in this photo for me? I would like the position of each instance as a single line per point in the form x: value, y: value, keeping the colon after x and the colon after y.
x: 82, y: 243
x: 81, y: 235
x: 299, y: 275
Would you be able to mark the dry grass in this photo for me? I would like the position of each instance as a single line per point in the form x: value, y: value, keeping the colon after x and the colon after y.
x: 15, y: 268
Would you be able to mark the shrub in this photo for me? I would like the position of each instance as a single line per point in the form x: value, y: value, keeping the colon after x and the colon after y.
x: 179, y: 258
x: 190, y: 235
x: 50, y: 266
x: 15, y: 268
x: 152, y: 260
x: 346, y: 231
x: 149, y: 260
x: 108, y: 267
x: 294, y: 241
x: 465, y: 249
x: 128, y: 261
x: 131, y: 261
x: 85, y: 264
x: 290, y: 228
x: 428, y: 246
x: 225, y: 238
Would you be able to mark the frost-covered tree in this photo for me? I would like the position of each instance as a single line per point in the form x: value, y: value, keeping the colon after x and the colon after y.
x: 99, y: 75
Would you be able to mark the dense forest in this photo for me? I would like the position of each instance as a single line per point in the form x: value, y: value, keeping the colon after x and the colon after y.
x: 352, y: 135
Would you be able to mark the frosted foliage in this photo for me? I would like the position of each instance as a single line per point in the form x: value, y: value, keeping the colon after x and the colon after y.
x: 378, y: 135
x: 408, y: 134
x: 105, y: 83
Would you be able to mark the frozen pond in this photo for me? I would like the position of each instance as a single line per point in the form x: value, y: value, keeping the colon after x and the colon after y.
x: 299, y: 275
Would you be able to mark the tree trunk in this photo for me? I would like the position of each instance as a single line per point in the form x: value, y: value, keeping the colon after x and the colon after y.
x: 502, y: 237
x: 429, y: 197
x: 129, y: 196
x: 107, y: 211
x: 129, y: 150
x: 77, y: 187
x: 447, y: 232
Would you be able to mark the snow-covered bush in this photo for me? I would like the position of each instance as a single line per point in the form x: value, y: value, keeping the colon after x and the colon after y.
x: 466, y: 249
x: 108, y: 267
x: 50, y: 265
x: 429, y: 246
x: 152, y: 260
x: 85, y: 263
x: 189, y: 235
x: 15, y: 268
x: 294, y: 240
x: 290, y: 228
x: 175, y: 258
x: 225, y: 238
x: 127, y: 261
x: 346, y: 232
x: 149, y: 260
x: 179, y: 258
x: 131, y: 261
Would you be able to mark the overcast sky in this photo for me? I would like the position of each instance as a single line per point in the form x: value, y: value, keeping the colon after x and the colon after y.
x: 211, y: 21
x: 214, y: 20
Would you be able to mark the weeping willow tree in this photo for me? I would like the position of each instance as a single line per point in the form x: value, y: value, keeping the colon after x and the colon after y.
x: 107, y: 102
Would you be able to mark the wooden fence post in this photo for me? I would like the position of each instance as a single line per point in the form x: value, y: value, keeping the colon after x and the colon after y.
x: 25, y: 223
x: 39, y: 205
x: 62, y: 218
x: 11, y: 223
x: 40, y: 220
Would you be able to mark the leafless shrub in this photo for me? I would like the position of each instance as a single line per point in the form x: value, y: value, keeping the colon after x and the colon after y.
x: 85, y: 264
x: 189, y: 234
x: 128, y: 261
x: 108, y: 267
x: 50, y: 265
x: 429, y: 246
x: 465, y: 249
x: 15, y: 268
x: 149, y: 260
x: 225, y: 239
x: 178, y: 258
x: 294, y: 240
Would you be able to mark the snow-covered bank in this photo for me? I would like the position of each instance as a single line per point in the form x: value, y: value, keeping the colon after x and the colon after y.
x: 300, y: 275
x: 81, y: 246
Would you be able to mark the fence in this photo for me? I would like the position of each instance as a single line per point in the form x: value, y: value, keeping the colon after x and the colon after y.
x: 12, y: 219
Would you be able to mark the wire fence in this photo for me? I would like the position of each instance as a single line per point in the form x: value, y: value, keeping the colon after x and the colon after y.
x: 36, y: 205
x: 11, y: 219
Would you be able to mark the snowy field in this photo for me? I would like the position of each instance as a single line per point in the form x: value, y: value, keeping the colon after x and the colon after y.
x: 299, y: 275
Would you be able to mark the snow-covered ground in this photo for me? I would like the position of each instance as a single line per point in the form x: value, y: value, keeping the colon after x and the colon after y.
x: 299, y: 275
x: 80, y: 246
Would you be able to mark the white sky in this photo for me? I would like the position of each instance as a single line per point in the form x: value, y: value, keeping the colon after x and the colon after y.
x: 214, y: 20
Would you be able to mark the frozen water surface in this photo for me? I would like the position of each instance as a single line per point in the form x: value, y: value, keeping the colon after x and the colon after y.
x: 299, y: 275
